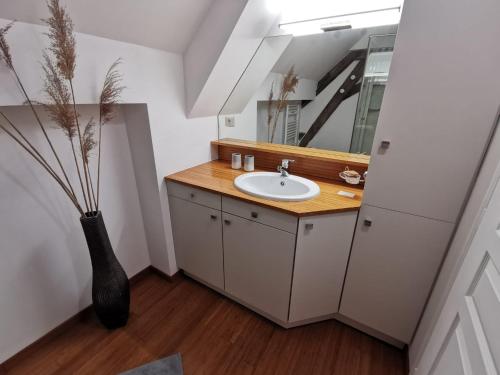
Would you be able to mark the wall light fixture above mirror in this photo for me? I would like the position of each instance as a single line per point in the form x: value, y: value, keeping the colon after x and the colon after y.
x: 360, y: 20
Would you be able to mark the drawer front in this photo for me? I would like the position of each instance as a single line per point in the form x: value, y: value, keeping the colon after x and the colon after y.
x: 260, y: 214
x: 194, y: 195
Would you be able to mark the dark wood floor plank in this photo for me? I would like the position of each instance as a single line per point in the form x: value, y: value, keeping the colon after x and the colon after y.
x: 120, y: 354
x: 147, y: 293
x: 214, y: 336
x: 163, y: 328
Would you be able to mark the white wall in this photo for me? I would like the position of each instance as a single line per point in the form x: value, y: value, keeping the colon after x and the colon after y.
x: 256, y: 72
x: 45, y: 272
x: 209, y: 84
x: 152, y: 77
x: 141, y: 148
x: 206, y: 46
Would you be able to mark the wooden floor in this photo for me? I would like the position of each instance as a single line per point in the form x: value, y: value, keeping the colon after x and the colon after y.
x: 214, y: 336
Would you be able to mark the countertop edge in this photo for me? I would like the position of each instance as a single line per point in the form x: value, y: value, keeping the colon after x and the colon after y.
x: 172, y: 178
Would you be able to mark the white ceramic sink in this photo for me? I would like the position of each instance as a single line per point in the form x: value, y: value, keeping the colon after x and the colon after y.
x: 273, y: 186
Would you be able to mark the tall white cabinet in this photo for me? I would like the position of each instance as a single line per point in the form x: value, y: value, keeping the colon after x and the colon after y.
x: 437, y: 116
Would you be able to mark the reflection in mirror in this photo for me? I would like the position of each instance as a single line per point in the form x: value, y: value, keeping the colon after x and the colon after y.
x: 378, y: 61
x: 311, y: 90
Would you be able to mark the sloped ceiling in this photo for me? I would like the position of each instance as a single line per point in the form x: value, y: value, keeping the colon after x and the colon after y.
x: 168, y: 25
x: 314, y: 55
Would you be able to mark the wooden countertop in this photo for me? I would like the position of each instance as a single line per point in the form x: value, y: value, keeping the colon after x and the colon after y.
x: 217, y: 176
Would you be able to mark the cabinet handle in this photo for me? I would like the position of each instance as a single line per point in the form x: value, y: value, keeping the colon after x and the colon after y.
x: 385, y: 144
x: 309, y: 226
x: 192, y: 195
x: 367, y: 222
x: 213, y: 217
x: 227, y: 222
x: 255, y: 215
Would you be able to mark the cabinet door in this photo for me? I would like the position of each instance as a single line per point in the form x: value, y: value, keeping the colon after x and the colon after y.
x: 323, y: 246
x: 197, y: 232
x: 258, y: 262
x: 438, y: 110
x: 391, y: 270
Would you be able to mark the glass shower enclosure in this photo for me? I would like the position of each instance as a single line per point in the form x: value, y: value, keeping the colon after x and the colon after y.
x: 378, y: 62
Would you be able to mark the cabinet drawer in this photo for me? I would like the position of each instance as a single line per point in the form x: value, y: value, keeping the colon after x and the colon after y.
x: 194, y: 195
x: 260, y: 214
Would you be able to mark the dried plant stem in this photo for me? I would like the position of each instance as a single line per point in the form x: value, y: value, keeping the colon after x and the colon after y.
x: 92, y: 191
x: 269, y: 112
x: 79, y: 174
x: 90, y: 188
x: 288, y: 85
x: 99, y: 159
x: 279, y: 108
x: 23, y: 90
x: 42, y: 159
x: 46, y: 167
x: 88, y: 202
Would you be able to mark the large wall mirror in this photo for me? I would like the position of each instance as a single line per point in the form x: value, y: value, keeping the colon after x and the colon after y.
x: 322, y: 90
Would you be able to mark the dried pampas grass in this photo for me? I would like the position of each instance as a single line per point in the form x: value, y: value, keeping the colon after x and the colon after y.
x: 89, y: 143
x: 110, y: 94
x: 288, y: 85
x: 58, y: 103
x: 5, y: 55
x: 58, y: 65
x: 62, y: 40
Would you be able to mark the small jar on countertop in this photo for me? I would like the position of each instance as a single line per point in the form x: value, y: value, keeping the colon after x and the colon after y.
x: 236, y: 161
x: 249, y: 163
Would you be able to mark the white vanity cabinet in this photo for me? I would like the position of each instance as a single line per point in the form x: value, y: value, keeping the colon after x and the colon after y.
x: 197, y: 233
x: 287, y: 268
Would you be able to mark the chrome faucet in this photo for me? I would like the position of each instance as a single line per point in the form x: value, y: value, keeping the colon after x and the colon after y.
x: 283, y: 168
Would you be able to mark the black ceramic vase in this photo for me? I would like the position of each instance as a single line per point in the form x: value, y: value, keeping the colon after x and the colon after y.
x: 110, y: 286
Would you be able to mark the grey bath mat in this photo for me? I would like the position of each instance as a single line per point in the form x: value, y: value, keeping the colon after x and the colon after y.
x: 167, y: 366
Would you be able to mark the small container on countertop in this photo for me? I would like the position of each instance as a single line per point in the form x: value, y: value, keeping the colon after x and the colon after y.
x: 249, y: 163
x: 236, y: 161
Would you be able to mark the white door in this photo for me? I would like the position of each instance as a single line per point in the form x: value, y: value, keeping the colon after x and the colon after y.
x: 466, y: 338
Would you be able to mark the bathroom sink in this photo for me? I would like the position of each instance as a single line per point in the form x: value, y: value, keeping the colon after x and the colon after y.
x: 273, y: 186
